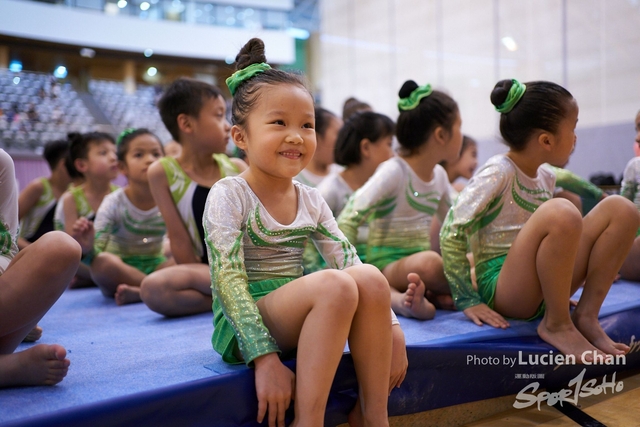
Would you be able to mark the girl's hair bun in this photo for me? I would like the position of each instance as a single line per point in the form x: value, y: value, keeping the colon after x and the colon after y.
x: 406, y: 89
x: 251, y: 53
x: 500, y: 92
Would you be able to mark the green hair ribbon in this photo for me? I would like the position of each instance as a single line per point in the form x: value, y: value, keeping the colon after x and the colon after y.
x: 412, y: 101
x: 124, y: 134
x: 245, y: 74
x: 514, y: 95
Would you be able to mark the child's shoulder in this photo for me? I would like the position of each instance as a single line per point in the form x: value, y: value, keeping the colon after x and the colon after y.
x: 633, y: 163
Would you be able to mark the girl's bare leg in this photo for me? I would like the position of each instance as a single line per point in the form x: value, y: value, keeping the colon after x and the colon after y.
x: 179, y: 290
x: 25, y: 297
x: 370, y: 344
x: 630, y: 269
x: 108, y: 271
x: 540, y: 265
x: 314, y: 314
x: 408, y: 297
x: 608, y: 234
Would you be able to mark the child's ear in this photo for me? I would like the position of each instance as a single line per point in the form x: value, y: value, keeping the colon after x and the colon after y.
x: 184, y: 123
x: 122, y: 167
x: 81, y: 165
x: 365, y: 147
x: 546, y: 141
x: 239, y: 137
x: 441, y: 135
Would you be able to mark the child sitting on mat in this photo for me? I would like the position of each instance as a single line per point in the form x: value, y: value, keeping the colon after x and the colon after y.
x: 92, y: 155
x: 630, y: 269
x: 401, y: 198
x: 128, y: 227
x: 194, y: 112
x: 531, y: 251
x: 37, y: 202
x: 256, y: 226
x: 31, y: 281
x: 363, y: 143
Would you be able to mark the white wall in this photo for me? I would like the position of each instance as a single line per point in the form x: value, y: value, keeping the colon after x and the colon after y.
x: 368, y: 48
x: 87, y: 28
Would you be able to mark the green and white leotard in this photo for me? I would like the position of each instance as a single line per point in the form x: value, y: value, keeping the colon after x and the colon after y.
x: 487, y: 216
x: 183, y: 189
x: 82, y: 206
x: 251, y: 254
x: 398, y: 206
x: 336, y: 192
x: 130, y: 233
x: 630, y: 188
x: 8, y: 211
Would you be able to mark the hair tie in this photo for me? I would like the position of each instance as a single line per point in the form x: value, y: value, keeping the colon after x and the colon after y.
x: 245, y: 74
x: 412, y: 101
x: 515, y: 94
x: 124, y: 134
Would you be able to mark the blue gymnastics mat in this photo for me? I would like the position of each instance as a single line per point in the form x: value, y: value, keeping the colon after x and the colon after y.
x: 130, y: 366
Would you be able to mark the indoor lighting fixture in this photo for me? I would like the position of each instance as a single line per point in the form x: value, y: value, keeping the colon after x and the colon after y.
x: 510, y: 43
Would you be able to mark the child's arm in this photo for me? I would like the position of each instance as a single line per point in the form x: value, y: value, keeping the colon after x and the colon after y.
x: 27, y: 201
x: 181, y: 245
x: 29, y: 197
x: 399, y: 362
x: 223, y: 219
x: 105, y: 225
x: 70, y: 212
x: 572, y: 182
x: 630, y: 180
x: 478, y: 204
x: 332, y: 244
x: 83, y: 232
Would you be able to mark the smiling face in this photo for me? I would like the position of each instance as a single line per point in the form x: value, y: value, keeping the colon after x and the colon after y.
x: 143, y: 150
x: 279, y: 137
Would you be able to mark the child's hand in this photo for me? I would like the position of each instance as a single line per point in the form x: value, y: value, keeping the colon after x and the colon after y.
x: 399, y: 362
x: 83, y: 232
x: 481, y: 314
x: 275, y: 386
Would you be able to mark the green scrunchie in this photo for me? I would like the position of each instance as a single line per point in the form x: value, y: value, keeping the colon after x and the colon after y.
x: 514, y: 95
x: 411, y: 102
x: 123, y: 134
x: 246, y: 73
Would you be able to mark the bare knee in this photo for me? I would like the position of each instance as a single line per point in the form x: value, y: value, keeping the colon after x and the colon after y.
x: 623, y: 210
x: 340, y: 290
x: 560, y: 216
x: 61, y: 247
x: 152, y: 291
x: 372, y: 284
x: 103, y: 263
x: 430, y: 266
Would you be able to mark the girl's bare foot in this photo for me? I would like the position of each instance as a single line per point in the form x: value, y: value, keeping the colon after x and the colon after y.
x: 568, y: 340
x: 413, y: 303
x: 126, y: 294
x: 34, y: 335
x: 43, y: 364
x: 592, y: 331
